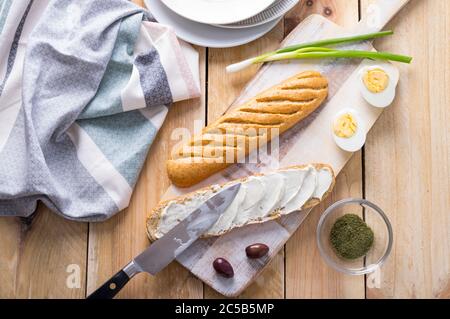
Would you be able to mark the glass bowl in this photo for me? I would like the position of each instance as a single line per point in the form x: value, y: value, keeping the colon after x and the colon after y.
x: 374, y: 217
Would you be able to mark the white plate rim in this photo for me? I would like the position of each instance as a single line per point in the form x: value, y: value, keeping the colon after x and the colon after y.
x: 259, y: 31
x: 272, y: 25
x: 237, y: 26
x: 209, y: 18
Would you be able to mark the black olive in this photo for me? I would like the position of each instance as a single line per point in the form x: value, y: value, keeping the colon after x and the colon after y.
x: 223, y: 267
x: 256, y: 251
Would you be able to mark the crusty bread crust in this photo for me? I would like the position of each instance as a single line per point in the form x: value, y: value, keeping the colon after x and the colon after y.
x: 156, y: 213
x: 247, y: 128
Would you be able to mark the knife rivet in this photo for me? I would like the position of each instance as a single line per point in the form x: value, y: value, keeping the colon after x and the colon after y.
x: 112, y: 286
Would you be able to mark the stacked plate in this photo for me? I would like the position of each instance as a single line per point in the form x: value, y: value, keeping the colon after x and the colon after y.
x: 220, y: 23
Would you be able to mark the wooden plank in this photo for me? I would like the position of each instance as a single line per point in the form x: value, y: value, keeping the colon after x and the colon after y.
x: 298, y: 146
x: 36, y: 256
x: 139, y: 2
x: 9, y: 255
x: 115, y: 242
x: 342, y: 12
x: 217, y: 61
x: 223, y: 88
x: 407, y: 157
x: 307, y: 276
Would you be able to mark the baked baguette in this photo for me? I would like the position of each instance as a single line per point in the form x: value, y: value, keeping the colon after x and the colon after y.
x: 262, y: 197
x: 247, y: 128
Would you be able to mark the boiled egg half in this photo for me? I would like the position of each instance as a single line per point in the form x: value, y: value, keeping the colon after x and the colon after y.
x: 378, y: 83
x: 349, y: 131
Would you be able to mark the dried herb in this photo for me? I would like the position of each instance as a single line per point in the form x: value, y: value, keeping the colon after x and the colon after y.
x: 351, y: 237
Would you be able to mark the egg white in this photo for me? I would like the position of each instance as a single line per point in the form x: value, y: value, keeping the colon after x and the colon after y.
x: 386, y: 97
x: 357, y: 141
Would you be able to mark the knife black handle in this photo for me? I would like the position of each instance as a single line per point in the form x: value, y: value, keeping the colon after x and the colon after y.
x: 110, y: 288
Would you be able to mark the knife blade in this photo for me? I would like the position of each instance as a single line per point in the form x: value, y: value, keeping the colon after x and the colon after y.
x: 167, y: 248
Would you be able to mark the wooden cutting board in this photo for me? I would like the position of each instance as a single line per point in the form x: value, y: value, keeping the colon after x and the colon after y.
x: 310, y: 141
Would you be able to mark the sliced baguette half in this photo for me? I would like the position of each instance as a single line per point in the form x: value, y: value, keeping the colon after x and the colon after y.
x: 170, y: 212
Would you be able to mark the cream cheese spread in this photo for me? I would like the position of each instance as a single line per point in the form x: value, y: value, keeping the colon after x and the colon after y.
x: 259, y: 198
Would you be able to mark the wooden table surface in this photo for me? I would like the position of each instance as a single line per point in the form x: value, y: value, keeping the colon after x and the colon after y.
x: 404, y: 168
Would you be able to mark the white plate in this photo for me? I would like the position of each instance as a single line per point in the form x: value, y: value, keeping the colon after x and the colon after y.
x: 217, y: 11
x: 203, y: 34
x: 276, y: 10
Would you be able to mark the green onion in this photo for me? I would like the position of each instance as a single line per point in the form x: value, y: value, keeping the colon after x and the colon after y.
x: 327, y: 42
x: 318, y: 50
x: 311, y: 53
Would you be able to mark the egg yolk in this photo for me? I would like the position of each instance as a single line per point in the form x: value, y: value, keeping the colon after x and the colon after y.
x: 345, y: 126
x: 376, y: 80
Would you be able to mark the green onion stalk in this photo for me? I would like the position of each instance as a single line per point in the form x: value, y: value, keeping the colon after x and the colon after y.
x: 320, y: 53
x: 319, y: 50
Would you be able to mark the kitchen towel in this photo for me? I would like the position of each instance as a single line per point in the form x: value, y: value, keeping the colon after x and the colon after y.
x: 85, y: 86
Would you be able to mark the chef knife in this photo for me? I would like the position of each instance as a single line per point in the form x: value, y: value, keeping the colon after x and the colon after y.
x: 167, y: 248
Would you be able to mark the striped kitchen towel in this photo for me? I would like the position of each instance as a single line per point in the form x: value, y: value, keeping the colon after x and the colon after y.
x: 84, y: 87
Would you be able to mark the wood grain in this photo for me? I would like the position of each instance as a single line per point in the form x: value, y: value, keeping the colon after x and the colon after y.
x: 9, y: 255
x: 112, y: 244
x: 297, y: 146
x: 35, y: 256
x: 343, y: 12
x: 222, y: 94
x: 406, y: 169
x: 307, y: 276
x: 223, y: 88
x: 407, y: 156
